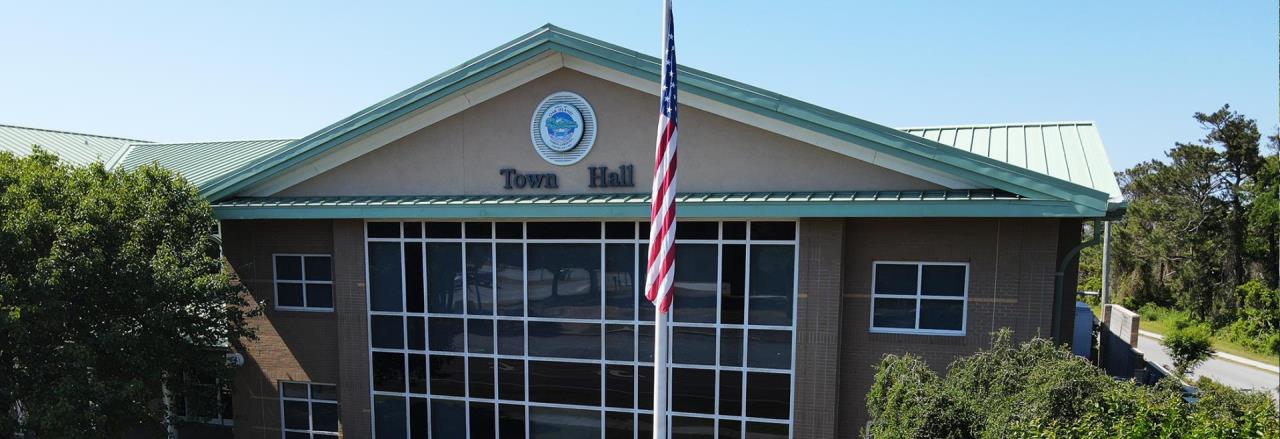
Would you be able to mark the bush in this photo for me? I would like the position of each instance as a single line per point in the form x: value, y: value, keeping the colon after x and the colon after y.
x: 1037, y: 389
x: 1258, y: 324
x: 1188, y: 345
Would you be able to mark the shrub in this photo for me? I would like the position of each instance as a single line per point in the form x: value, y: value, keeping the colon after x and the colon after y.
x: 1037, y: 389
x: 1188, y: 345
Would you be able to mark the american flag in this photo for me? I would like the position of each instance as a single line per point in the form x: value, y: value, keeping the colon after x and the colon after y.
x: 662, y: 233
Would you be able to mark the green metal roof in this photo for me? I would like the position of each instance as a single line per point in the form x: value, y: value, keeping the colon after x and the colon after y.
x: 948, y: 203
x: 200, y: 162
x: 931, y: 154
x: 1070, y: 151
x: 75, y: 148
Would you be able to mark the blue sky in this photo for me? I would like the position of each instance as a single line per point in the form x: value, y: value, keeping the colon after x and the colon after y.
x: 187, y: 71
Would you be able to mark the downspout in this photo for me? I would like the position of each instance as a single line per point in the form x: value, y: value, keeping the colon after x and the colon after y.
x: 1058, y: 310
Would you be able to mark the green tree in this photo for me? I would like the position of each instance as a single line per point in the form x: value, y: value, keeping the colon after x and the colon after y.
x: 109, y: 283
x: 1188, y: 345
x: 1238, y: 138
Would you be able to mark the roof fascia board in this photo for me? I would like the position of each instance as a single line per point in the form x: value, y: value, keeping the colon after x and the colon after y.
x: 865, y: 209
x: 546, y: 62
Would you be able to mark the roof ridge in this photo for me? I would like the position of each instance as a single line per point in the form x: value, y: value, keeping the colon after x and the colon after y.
x: 1001, y: 125
x: 216, y: 141
x: 74, y: 133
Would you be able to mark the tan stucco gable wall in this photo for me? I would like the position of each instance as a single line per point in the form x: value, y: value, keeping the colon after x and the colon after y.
x: 462, y: 154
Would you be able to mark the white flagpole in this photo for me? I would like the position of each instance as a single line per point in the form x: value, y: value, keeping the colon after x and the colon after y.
x: 660, y: 375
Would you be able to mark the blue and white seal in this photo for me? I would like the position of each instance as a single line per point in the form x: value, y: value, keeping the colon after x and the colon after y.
x: 563, y: 128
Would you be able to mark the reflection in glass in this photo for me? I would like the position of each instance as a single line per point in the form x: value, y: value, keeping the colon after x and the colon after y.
x: 510, y: 280
x: 444, y: 278
x: 772, y: 284
x: 564, y: 280
x: 565, y: 340
x: 564, y: 383
x: 894, y: 313
x: 384, y: 276
x: 695, y: 284
x: 619, y: 281
x: 479, y: 278
x: 557, y: 423
x: 448, y: 418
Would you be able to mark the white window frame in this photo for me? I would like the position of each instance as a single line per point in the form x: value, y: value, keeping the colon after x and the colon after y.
x: 216, y: 420
x: 310, y: 431
x: 918, y: 296
x: 276, y: 281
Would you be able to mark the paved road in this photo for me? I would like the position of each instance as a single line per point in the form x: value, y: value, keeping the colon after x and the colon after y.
x: 1226, y: 372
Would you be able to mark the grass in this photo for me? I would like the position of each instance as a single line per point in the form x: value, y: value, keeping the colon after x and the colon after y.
x: 1161, y: 321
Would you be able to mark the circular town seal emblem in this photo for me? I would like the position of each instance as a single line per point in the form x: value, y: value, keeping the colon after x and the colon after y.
x: 563, y: 128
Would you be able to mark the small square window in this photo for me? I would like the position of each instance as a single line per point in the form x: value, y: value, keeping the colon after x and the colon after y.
x: 303, y: 282
x: 919, y: 297
x: 308, y: 410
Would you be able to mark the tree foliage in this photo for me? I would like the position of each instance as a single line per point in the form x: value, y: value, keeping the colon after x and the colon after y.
x: 1188, y: 345
x: 1200, y: 225
x: 109, y: 282
x: 1036, y: 389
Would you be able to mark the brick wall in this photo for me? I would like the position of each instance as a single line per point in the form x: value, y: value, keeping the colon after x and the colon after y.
x: 1011, y: 281
x: 291, y: 345
x: 353, y: 328
x: 818, y: 328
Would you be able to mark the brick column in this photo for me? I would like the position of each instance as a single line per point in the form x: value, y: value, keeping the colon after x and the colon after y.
x: 818, y: 328
x: 353, y: 328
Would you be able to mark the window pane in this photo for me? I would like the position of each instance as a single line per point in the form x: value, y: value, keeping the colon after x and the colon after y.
x: 942, y: 314
x: 645, y: 343
x: 894, y: 313
x: 511, y: 380
x: 683, y: 427
x: 319, y: 296
x: 511, y: 421
x: 644, y: 388
x: 448, y: 375
x: 417, y: 373
x: 645, y: 309
x: 619, y: 281
x: 289, y: 267
x: 324, y: 392
x: 769, y: 349
x: 733, y: 283
x: 444, y: 278
x: 563, y: 230
x: 448, y: 418
x: 619, y: 382
x: 413, y: 286
x: 772, y: 284
x: 445, y: 334
x: 619, y: 342
x: 564, y: 383
x: 768, y: 395
x: 693, y: 390
x: 443, y: 230
x: 388, y: 371
x: 413, y: 230
x: 695, y: 283
x: 481, y: 377
x: 296, y: 435
x: 569, y: 340
x: 697, y: 230
x: 288, y: 294
x: 479, y: 230
x: 556, y: 423
x: 615, y: 230
x: 942, y: 280
x: 324, y: 416
x: 693, y: 345
x: 294, y: 390
x: 510, y: 337
x: 564, y: 280
x: 730, y: 429
x: 384, y: 230
x: 384, y: 276
x: 730, y: 347
x: 619, y: 425
x: 318, y: 268
x: 419, y: 419
x: 730, y: 392
x: 895, y: 279
x: 773, y: 230
x: 761, y: 430
x: 416, y: 329
x: 480, y: 336
x: 510, y: 230
x: 480, y: 278
x: 510, y: 280
x: 387, y: 332
x: 295, y: 415
x: 735, y: 230
x: 482, y: 420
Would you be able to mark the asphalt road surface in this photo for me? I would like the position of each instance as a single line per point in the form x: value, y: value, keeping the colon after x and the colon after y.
x: 1226, y: 372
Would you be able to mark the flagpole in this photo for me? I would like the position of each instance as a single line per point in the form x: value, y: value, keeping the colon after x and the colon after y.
x: 660, y: 375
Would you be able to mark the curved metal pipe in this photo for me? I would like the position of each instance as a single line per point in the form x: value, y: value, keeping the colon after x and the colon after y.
x: 1061, y: 274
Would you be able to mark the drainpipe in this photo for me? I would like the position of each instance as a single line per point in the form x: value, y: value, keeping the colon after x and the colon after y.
x: 1060, y: 275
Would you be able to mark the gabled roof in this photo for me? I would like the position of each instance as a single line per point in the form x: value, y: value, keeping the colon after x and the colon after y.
x: 75, y: 148
x: 966, y: 165
x: 1070, y: 151
x: 200, y: 162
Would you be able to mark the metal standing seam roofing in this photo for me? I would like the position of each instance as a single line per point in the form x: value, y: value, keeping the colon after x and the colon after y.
x: 200, y: 162
x: 74, y: 148
x: 1070, y: 151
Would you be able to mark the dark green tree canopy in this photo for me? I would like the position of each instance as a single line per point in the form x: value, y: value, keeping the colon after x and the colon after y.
x: 109, y: 282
